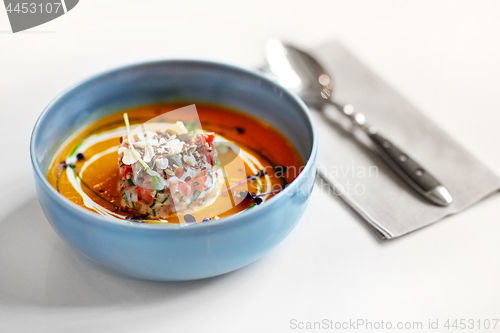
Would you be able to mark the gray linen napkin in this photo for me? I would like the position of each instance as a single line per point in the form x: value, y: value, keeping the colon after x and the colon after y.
x: 361, y: 178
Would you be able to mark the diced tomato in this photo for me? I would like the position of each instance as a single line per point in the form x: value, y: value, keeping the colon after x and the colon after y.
x: 145, y: 195
x: 184, y: 188
x: 125, y: 170
x: 205, y: 138
x: 201, y: 183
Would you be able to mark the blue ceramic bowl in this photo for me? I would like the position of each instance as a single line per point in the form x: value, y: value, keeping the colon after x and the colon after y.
x: 172, y: 252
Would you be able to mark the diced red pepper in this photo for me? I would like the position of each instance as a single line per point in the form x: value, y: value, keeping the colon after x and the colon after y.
x: 210, y: 137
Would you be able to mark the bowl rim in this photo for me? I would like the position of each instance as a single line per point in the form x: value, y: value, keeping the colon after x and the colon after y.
x: 92, y: 216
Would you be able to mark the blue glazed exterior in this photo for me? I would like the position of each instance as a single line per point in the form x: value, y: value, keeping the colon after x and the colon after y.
x: 173, y: 252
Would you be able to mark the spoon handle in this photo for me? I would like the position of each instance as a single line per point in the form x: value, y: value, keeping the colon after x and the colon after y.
x: 410, y: 170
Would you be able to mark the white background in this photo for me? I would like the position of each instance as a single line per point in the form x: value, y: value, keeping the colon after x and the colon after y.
x: 444, y: 56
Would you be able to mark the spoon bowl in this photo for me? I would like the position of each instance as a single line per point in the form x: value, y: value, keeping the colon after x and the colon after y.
x: 297, y: 71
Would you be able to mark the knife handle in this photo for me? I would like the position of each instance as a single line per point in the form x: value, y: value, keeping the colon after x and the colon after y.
x: 411, y: 171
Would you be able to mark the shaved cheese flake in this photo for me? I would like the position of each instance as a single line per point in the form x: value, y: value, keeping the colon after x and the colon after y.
x: 174, y: 146
x: 129, y: 156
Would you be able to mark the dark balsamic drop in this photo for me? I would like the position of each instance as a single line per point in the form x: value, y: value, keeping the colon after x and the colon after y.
x: 189, y: 218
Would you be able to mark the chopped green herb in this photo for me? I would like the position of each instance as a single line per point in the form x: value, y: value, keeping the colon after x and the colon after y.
x: 260, y: 187
x: 196, y: 184
x: 73, y: 151
x: 181, y: 199
x: 154, y: 213
x: 130, y: 182
x: 165, y: 199
x: 196, y: 194
x: 190, y: 126
x: 151, y: 206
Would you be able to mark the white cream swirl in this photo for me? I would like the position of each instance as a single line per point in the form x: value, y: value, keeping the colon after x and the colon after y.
x: 250, y: 161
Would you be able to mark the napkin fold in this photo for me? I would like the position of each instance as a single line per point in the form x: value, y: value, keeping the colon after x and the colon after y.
x: 361, y: 178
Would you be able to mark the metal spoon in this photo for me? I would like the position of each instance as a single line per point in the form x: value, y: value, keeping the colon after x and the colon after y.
x: 301, y: 73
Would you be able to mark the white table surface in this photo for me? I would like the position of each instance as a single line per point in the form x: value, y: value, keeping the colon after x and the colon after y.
x: 443, y: 56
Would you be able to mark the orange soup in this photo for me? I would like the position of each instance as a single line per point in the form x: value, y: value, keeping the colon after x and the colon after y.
x: 187, y: 168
